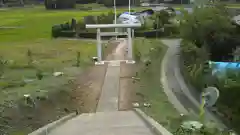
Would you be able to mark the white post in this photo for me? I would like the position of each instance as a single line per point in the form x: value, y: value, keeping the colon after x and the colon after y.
x: 99, y: 46
x: 129, y: 44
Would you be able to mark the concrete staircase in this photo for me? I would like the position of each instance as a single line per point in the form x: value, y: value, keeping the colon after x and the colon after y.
x: 108, y: 120
x: 104, y: 123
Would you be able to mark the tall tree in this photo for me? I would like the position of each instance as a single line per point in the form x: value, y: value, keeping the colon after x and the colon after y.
x: 210, y: 27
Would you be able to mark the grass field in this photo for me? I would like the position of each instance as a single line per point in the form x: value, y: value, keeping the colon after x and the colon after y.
x: 150, y: 89
x: 35, y: 23
x: 48, y: 57
x: 18, y: 78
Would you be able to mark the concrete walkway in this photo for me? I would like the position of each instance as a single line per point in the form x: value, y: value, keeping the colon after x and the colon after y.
x: 109, y: 98
x: 102, y: 123
x: 110, y: 90
x: 107, y: 120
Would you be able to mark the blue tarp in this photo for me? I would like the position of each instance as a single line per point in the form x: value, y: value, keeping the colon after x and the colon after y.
x: 220, y: 68
x: 226, y: 65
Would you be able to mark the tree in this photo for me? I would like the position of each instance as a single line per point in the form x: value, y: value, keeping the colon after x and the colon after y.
x: 210, y: 27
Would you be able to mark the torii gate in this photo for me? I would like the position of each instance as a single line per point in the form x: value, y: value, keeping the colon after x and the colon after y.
x: 100, y: 34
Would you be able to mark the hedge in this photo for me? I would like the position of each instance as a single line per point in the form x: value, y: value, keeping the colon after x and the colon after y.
x: 58, y: 32
x: 55, y: 30
x: 170, y: 29
x: 93, y: 35
x: 147, y: 34
x: 67, y: 34
x: 60, y: 4
x: 87, y: 35
x: 153, y: 33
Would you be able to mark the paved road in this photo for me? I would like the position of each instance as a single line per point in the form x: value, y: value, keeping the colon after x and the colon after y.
x: 182, y: 94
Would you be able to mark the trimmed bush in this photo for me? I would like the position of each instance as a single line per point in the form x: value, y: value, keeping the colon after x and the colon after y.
x: 67, y: 34
x: 59, y: 4
x: 149, y: 33
x: 85, y: 1
x: 62, y: 31
x: 170, y: 29
x: 66, y: 26
x: 56, y: 30
x: 153, y: 33
x: 139, y: 33
x: 93, y: 35
x: 87, y: 35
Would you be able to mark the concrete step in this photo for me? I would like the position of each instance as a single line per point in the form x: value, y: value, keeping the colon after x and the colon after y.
x: 104, y: 123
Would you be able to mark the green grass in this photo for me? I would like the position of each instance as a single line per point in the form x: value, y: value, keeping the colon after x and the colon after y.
x: 150, y: 87
x: 36, y: 22
x: 49, y: 56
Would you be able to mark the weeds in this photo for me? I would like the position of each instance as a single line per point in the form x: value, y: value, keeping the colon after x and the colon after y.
x: 39, y: 74
x: 3, y: 63
x: 29, y: 57
x: 78, y: 59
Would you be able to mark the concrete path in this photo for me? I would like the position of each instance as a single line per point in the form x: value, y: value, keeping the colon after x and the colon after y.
x: 104, y: 123
x: 182, y: 97
x: 107, y: 120
x: 109, y: 98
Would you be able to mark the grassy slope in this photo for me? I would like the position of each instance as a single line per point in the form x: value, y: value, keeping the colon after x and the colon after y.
x: 50, y: 56
x: 150, y: 89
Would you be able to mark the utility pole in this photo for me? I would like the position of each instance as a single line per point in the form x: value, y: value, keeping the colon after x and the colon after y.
x: 115, y: 15
x: 129, y: 6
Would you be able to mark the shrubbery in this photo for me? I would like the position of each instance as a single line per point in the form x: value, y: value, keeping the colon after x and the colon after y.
x: 148, y: 29
x: 59, y: 4
x: 209, y: 34
x: 63, y: 30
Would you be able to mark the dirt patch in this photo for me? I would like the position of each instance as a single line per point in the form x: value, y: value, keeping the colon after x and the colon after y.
x: 89, y: 88
x: 80, y: 95
x: 126, y: 91
x: 109, y: 47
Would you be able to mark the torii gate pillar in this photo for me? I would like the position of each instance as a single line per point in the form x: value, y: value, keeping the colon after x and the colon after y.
x: 128, y: 33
